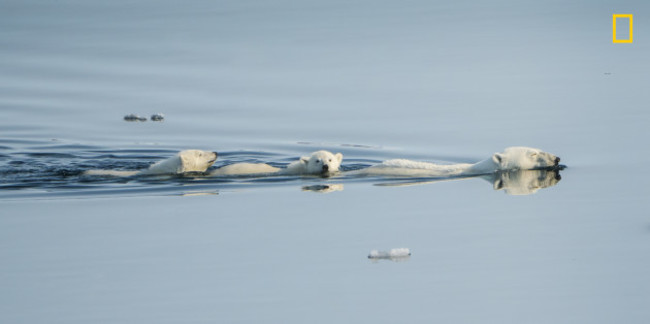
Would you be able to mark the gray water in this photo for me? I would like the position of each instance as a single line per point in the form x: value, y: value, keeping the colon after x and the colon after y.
x: 269, y: 81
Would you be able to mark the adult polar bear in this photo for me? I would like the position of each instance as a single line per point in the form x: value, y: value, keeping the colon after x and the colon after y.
x: 317, y: 163
x: 512, y: 158
x: 184, y: 161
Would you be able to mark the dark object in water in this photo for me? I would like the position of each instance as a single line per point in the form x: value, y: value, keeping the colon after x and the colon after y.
x: 134, y: 117
x: 157, y: 117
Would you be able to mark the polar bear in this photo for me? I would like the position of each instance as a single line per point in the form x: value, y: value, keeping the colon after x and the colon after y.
x: 318, y: 163
x: 184, y: 161
x: 512, y: 158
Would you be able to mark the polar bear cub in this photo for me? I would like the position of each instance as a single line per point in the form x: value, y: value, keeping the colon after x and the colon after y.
x: 320, y: 162
x: 317, y: 163
x: 184, y: 161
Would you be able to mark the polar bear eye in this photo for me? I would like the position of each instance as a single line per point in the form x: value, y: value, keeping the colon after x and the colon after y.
x: 330, y: 160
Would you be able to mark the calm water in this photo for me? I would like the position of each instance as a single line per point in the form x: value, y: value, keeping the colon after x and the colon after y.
x: 270, y: 81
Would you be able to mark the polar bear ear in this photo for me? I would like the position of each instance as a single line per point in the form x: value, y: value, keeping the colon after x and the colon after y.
x: 497, y: 158
x: 339, y: 157
x: 304, y: 159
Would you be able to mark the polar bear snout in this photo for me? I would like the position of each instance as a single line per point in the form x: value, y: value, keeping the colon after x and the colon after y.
x: 557, y: 161
x: 215, y: 157
x: 326, y: 168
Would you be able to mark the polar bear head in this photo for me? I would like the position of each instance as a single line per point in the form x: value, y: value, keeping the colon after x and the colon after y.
x: 321, y: 162
x: 195, y: 160
x: 524, y: 158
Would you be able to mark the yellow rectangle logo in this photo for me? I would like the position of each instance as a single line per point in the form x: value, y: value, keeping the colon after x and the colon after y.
x: 614, y: 29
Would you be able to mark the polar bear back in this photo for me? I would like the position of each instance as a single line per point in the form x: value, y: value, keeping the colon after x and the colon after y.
x: 402, y: 167
x: 244, y: 169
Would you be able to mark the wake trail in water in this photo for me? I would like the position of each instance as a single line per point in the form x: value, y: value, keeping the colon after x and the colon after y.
x: 68, y: 173
x: 42, y: 171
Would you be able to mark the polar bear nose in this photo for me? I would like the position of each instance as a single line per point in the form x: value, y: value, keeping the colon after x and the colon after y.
x: 326, y: 168
x: 557, y: 161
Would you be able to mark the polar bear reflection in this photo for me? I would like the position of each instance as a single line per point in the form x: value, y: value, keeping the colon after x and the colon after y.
x: 519, y: 182
x: 326, y: 188
x: 524, y: 182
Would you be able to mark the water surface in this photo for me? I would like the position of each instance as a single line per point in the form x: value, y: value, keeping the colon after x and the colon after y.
x: 270, y: 81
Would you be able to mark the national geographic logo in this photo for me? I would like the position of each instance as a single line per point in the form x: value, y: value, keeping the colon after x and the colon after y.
x: 614, y: 39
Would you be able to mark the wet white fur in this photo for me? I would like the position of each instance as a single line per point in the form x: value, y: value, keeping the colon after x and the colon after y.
x: 512, y: 158
x: 312, y: 164
x: 184, y: 161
